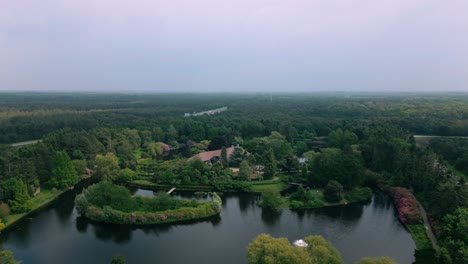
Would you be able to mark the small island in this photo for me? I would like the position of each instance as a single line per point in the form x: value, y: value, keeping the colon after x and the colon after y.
x: 109, y: 203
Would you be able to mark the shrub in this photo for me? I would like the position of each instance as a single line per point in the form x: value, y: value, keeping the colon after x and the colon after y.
x: 270, y: 199
x: 333, y: 191
x: 296, y: 204
x: 406, y: 205
x: 359, y: 194
x: 4, y: 210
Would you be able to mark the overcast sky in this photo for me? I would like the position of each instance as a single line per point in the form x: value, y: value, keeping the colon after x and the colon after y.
x: 234, y: 45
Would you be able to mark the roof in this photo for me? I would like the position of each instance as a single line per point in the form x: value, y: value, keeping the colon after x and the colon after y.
x: 208, y: 155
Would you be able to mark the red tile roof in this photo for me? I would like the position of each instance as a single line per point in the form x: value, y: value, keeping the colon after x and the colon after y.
x: 208, y: 155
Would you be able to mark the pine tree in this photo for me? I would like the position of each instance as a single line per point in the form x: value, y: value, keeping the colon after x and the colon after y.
x: 224, y: 159
x: 244, y: 171
x: 270, y: 167
x: 63, y: 171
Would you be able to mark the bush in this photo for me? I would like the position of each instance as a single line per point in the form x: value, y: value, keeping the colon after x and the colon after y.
x: 406, y: 204
x: 270, y: 199
x: 296, y: 204
x: 359, y: 194
x: 4, y: 210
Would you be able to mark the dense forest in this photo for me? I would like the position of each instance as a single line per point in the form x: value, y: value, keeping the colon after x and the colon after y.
x: 347, y: 144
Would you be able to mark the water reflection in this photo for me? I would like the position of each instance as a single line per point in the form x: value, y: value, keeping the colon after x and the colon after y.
x: 372, y: 228
x: 81, y: 224
x: 271, y: 217
x: 245, y: 202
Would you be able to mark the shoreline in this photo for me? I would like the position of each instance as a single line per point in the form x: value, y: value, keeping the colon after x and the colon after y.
x: 204, y: 188
x: 18, y: 217
x: 15, y: 218
x: 203, y: 210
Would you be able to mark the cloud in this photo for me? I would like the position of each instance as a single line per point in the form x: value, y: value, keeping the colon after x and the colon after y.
x: 359, y: 44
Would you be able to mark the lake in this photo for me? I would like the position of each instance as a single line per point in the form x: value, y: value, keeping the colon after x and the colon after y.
x: 58, y: 235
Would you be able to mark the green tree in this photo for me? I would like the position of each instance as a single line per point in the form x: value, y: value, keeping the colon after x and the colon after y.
x: 172, y: 134
x: 107, y: 167
x: 270, y: 199
x: 126, y: 175
x: 63, y: 171
x: 454, y: 238
x: 340, y: 138
x: 333, y: 192
x: 224, y: 159
x: 300, y: 194
x: 168, y: 177
x: 334, y: 164
x: 244, y: 171
x: 321, y: 251
x: 17, y: 194
x: 80, y: 166
x: 6, y: 257
x: 270, y: 166
x: 268, y: 250
x: 236, y: 157
x: 155, y: 149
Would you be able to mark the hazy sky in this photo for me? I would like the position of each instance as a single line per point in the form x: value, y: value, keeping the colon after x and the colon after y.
x: 234, y: 45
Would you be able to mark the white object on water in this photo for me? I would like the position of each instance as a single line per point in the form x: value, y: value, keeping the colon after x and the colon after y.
x: 300, y: 243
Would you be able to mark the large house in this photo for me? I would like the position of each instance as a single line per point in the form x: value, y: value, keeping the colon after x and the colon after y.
x: 211, y: 157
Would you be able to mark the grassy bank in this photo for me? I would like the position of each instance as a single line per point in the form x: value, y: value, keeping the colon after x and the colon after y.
x: 110, y: 203
x: 424, y: 253
x: 45, y: 197
x: 418, y: 232
x: 262, y: 186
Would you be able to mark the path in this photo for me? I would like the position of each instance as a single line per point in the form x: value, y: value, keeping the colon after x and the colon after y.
x: 428, y: 227
x: 19, y: 144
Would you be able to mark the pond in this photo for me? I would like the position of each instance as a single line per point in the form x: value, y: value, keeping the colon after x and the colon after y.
x: 58, y: 235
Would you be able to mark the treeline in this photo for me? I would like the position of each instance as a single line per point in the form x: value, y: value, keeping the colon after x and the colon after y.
x: 31, y: 116
x: 119, y: 137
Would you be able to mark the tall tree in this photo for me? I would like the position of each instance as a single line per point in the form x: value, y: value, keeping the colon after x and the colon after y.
x: 340, y: 138
x: 107, y: 167
x: 244, y: 171
x: 16, y: 193
x: 224, y: 159
x: 270, y: 166
x: 63, y: 171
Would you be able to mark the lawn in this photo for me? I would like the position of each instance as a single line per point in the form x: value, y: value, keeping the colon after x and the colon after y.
x: 43, y: 198
x: 262, y: 186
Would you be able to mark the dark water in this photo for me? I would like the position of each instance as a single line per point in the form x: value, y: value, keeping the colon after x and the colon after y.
x: 58, y: 235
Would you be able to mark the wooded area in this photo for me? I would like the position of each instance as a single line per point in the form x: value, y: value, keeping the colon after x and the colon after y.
x: 348, y: 143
